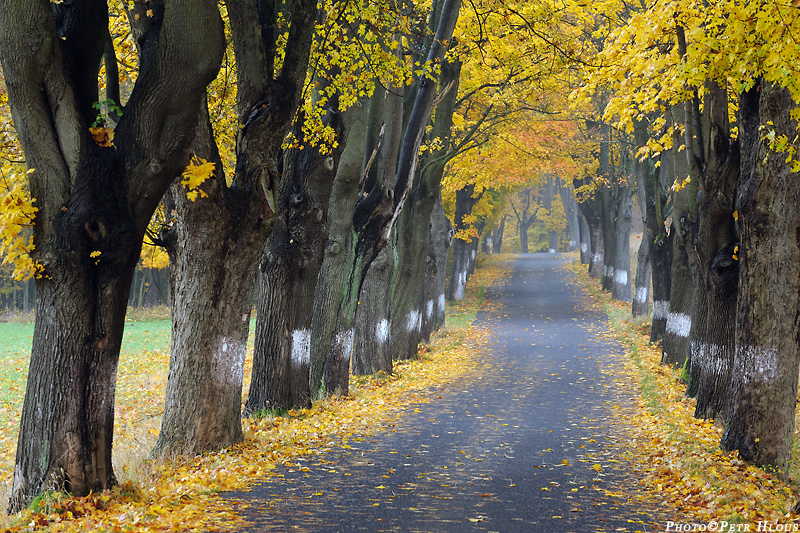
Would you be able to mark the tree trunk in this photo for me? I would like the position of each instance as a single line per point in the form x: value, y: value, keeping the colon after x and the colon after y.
x: 497, y: 236
x: 717, y: 274
x: 372, y: 347
x: 523, y: 237
x: 473, y: 245
x: 332, y: 320
x: 653, y: 203
x: 621, y: 288
x: 641, y: 298
x: 354, y: 243
x: 214, y: 257
x: 412, y: 241
x: 461, y: 249
x: 213, y: 246
x: 441, y: 240
x: 571, y: 212
x: 584, y: 235
x: 682, y: 287
x: 762, y: 409
x: 547, y: 203
x: 92, y: 200
x: 289, y: 272
x: 641, y: 293
x: 212, y: 282
x: 591, y: 207
x: 372, y: 338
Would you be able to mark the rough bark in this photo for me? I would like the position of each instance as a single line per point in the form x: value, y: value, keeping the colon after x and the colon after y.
x: 764, y: 390
x: 371, y: 346
x: 332, y: 318
x: 621, y: 287
x: 213, y: 247
x: 682, y: 289
x: 373, y: 218
x: 653, y: 203
x: 590, y: 207
x: 214, y: 275
x: 92, y: 199
x: 641, y: 293
x: 717, y: 272
x: 412, y: 231
x: 441, y: 239
x: 289, y: 271
x: 372, y: 350
x: 460, y: 266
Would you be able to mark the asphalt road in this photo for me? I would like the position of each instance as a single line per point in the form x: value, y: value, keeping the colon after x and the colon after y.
x: 530, y: 445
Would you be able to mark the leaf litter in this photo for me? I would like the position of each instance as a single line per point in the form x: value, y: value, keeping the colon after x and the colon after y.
x: 680, y: 458
x: 181, y: 494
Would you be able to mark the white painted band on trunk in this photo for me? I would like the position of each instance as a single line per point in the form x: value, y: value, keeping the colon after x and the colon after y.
x: 413, y: 320
x: 345, y: 340
x: 551, y: 251
x: 605, y: 270
x: 572, y: 244
x: 760, y: 364
x: 382, y: 331
x: 641, y: 295
x: 660, y: 309
x: 472, y: 255
x: 441, y: 303
x: 429, y: 309
x: 584, y: 247
x: 597, y: 258
x: 460, y: 282
x: 621, y: 277
x: 712, y: 357
x: 301, y: 347
x: 679, y: 324
x: 228, y: 362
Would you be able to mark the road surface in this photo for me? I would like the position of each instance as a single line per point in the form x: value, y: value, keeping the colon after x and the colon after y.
x: 530, y: 445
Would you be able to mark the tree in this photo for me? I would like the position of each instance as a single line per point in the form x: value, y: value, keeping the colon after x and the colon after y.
x: 760, y: 420
x: 214, y: 257
x: 94, y: 203
x: 699, y: 53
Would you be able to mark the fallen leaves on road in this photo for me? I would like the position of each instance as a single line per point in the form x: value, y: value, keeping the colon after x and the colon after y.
x: 181, y: 494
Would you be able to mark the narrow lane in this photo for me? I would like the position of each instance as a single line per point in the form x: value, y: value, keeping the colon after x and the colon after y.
x: 530, y: 445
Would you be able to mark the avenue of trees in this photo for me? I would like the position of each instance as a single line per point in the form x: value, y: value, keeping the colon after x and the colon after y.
x: 319, y: 163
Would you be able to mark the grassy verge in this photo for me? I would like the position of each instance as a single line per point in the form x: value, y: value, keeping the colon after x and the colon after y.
x: 180, y: 494
x: 684, y: 467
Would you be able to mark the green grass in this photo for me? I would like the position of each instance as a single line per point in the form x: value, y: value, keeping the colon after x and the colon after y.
x: 15, y: 340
